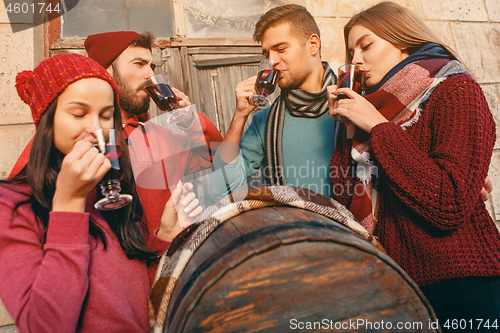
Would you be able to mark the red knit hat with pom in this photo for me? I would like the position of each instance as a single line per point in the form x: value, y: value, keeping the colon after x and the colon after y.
x: 39, y: 88
x: 106, y: 47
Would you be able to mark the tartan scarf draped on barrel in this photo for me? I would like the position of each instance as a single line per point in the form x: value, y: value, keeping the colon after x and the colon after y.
x: 181, y: 250
x: 300, y: 103
x: 400, y: 99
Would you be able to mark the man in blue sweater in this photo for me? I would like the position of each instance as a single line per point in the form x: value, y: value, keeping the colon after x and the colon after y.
x: 294, y: 139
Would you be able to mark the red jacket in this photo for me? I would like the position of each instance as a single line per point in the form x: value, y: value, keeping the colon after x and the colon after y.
x: 431, y: 218
x: 160, y: 158
x: 69, y: 283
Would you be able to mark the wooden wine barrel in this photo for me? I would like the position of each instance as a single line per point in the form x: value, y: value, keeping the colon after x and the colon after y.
x: 280, y: 268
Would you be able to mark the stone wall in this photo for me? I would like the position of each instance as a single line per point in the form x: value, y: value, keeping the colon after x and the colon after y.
x: 472, y: 27
x: 16, y: 125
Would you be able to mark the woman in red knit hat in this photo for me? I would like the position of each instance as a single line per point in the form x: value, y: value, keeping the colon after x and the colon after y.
x: 67, y: 267
x: 420, y: 142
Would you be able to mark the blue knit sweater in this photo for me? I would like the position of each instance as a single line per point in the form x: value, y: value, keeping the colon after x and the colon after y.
x: 307, y: 147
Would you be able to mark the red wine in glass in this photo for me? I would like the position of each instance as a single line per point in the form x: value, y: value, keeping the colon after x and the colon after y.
x: 165, y: 99
x: 110, y: 183
x: 351, y: 76
x: 163, y: 96
x: 265, y: 85
x: 266, y: 81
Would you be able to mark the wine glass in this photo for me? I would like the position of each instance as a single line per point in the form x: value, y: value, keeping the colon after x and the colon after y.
x: 351, y: 76
x: 165, y: 99
x: 109, y: 144
x: 265, y: 84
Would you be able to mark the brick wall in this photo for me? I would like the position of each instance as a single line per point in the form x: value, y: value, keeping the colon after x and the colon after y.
x: 472, y: 27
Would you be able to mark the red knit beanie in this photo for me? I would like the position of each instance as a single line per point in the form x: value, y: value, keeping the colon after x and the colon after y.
x: 39, y: 88
x: 106, y: 47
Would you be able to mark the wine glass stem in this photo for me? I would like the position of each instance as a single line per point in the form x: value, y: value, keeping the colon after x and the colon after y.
x: 111, y: 189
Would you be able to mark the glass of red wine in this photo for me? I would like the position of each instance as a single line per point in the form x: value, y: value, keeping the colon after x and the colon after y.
x: 108, y: 143
x: 265, y: 84
x: 351, y: 76
x: 165, y: 99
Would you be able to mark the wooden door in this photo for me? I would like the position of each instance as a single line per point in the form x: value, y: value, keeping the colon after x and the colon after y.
x: 209, y: 74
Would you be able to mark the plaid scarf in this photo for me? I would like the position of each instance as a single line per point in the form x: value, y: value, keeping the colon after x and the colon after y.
x: 300, y: 103
x: 400, y: 99
x: 183, y: 247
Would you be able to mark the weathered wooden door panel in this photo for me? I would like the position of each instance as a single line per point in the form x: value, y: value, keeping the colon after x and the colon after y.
x: 209, y: 75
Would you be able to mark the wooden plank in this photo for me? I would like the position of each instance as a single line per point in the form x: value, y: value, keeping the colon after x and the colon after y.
x: 175, y: 42
x: 68, y: 43
x: 59, y: 51
x: 228, y: 61
x: 205, y: 251
x: 186, y: 72
x: 201, y: 57
x: 225, y: 234
x: 172, y: 71
x: 225, y: 50
x: 255, y: 219
x: 307, y: 216
x: 207, y: 277
x: 229, y: 78
x: 161, y: 43
x: 205, y: 91
x: 177, y: 295
x: 300, y: 214
x: 178, y: 16
x: 78, y: 43
x: 217, y: 100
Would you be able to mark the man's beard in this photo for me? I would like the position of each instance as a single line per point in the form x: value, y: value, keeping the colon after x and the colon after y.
x: 129, y: 102
x: 294, y: 81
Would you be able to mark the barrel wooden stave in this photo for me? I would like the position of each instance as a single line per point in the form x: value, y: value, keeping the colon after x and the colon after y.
x: 268, y: 284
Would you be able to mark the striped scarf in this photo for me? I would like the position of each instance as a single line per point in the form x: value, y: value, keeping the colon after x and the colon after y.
x: 399, y: 99
x: 300, y: 103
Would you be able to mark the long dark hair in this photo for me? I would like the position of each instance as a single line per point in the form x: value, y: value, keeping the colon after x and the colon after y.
x: 41, y: 173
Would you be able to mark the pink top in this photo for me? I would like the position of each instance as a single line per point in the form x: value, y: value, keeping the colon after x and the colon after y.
x: 69, y: 283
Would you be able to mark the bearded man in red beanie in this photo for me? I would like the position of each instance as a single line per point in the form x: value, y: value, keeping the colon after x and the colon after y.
x: 160, y: 158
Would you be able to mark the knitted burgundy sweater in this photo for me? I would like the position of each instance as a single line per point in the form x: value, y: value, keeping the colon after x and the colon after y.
x: 431, y: 219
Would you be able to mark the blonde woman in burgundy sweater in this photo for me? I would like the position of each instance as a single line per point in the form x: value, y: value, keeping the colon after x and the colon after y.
x: 67, y: 267
x: 418, y: 149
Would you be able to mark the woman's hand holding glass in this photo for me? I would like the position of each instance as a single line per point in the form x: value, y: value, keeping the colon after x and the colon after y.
x: 355, y: 109
x: 180, y: 211
x: 81, y: 170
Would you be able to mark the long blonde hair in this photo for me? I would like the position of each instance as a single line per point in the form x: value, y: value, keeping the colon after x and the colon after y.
x: 397, y: 25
